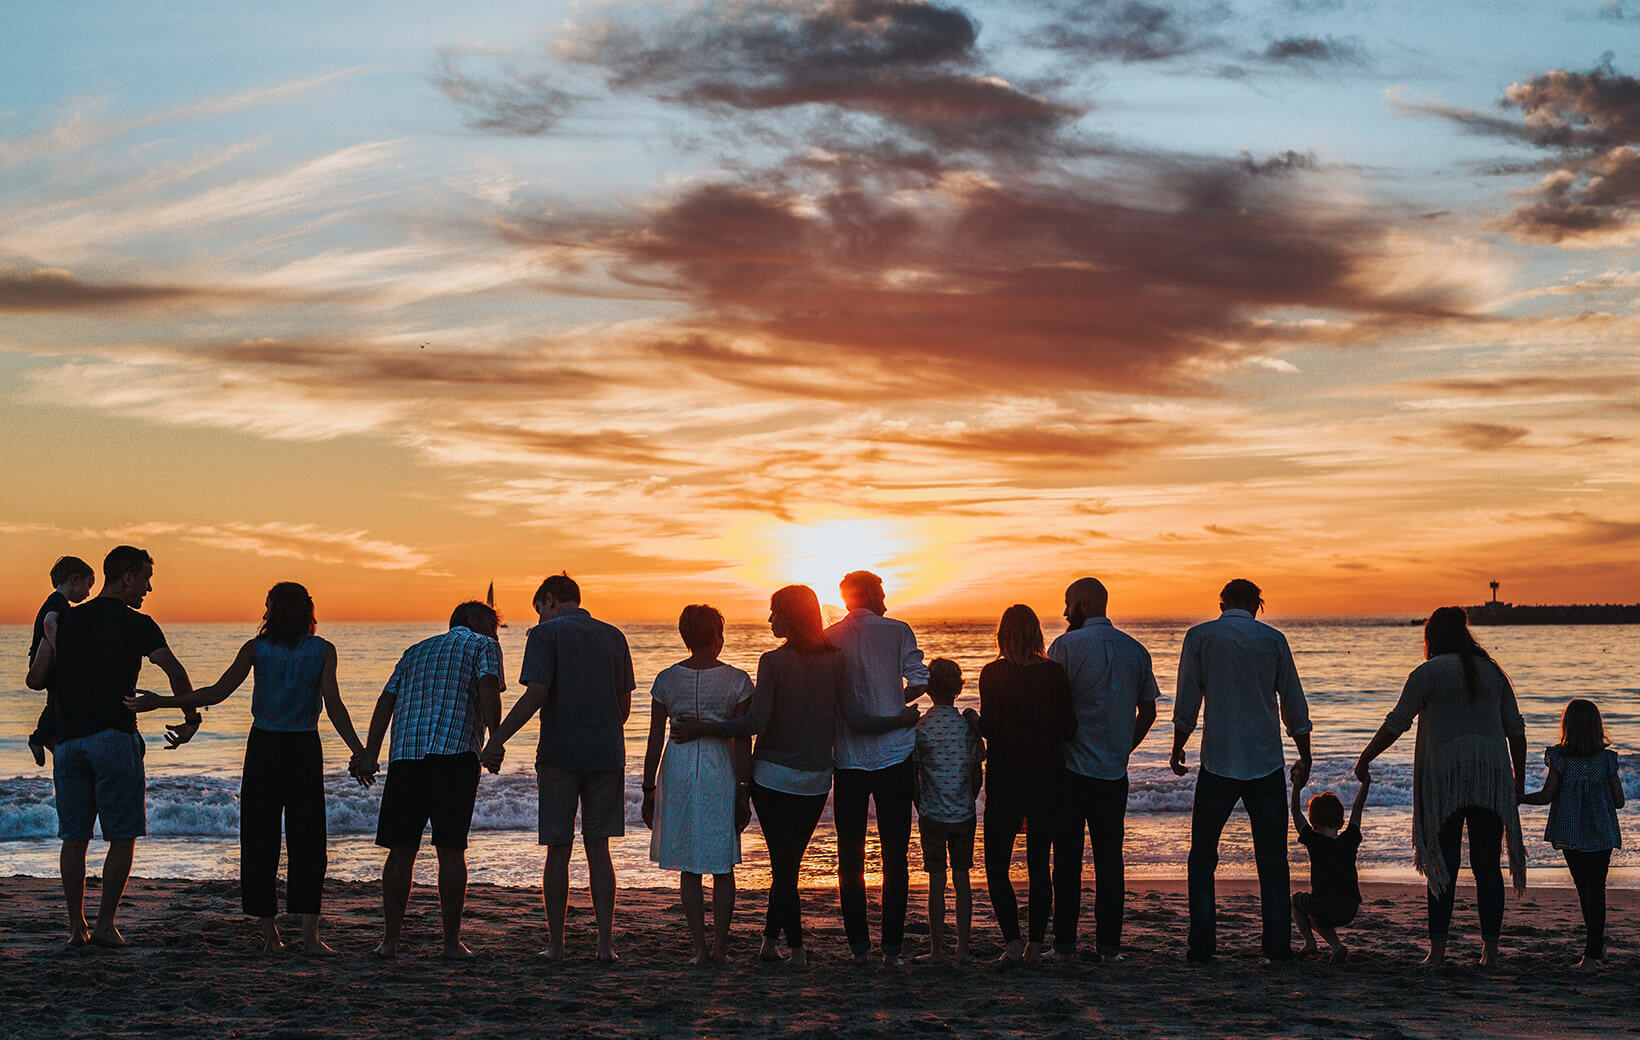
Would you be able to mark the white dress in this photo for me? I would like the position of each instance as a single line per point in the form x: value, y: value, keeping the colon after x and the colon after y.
x: 695, y: 790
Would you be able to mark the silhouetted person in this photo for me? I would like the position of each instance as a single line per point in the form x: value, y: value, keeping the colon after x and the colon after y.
x: 1113, y: 691
x: 1026, y: 716
x: 444, y: 693
x: 887, y: 671
x: 93, y: 655
x: 282, y: 788
x: 578, y: 673
x: 1468, y: 770
x: 71, y: 581
x: 1243, y: 671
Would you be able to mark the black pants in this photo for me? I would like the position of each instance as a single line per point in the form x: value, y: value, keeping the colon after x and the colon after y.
x: 1265, y: 800
x: 788, y: 822
x: 1005, y: 816
x: 1589, y: 872
x: 891, y: 790
x: 1485, y: 851
x: 1101, y: 807
x: 284, y: 776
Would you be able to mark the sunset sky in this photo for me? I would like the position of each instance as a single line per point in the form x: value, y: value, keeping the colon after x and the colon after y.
x: 395, y: 299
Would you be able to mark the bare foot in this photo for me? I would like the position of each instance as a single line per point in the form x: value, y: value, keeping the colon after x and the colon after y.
x: 386, y: 950
x: 458, y: 952
x: 79, y: 938
x: 933, y: 956
x: 1011, y: 953
x: 768, y: 952
x: 1490, y: 958
x: 551, y: 955
x: 962, y: 955
x: 861, y: 958
x: 606, y: 954
x: 1309, y: 949
x: 891, y: 960
x: 317, y: 948
x: 702, y: 956
x: 272, y: 945
x: 1339, y: 954
x: 1591, y: 963
x: 107, y: 937
x: 1433, y: 960
x: 721, y: 957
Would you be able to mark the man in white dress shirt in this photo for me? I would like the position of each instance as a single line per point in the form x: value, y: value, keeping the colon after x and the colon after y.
x: 888, y: 673
x: 1242, y: 671
x: 1113, y: 691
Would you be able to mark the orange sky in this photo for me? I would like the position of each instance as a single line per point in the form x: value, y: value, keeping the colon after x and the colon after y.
x: 984, y: 297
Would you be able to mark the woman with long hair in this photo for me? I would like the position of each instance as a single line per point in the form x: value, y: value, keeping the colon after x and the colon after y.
x: 284, y: 760
x: 802, y: 685
x: 1468, y: 770
x: 1025, y: 715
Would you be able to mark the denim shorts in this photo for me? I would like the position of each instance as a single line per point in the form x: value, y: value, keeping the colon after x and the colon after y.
x: 100, y: 777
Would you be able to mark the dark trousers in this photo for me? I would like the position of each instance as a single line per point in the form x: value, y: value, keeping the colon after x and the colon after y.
x: 788, y: 822
x: 1265, y: 800
x: 1004, y: 818
x: 891, y: 790
x: 1589, y: 873
x: 1485, y: 851
x: 1100, y: 806
x: 284, y: 777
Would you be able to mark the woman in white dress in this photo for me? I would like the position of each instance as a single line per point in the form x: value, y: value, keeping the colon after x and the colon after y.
x: 696, y: 794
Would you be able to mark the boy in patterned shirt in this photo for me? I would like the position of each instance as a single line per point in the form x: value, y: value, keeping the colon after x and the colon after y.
x: 946, y: 780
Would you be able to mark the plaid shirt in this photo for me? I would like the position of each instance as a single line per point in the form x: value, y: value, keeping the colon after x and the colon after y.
x: 436, y: 686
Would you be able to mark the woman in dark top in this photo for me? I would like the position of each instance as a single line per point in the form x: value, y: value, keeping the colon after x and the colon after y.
x: 284, y: 760
x: 1025, y: 716
x: 801, y: 687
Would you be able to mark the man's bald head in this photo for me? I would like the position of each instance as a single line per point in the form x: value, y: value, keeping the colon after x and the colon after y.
x: 1088, y: 597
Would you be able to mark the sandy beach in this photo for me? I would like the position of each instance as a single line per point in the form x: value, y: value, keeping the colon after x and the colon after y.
x: 193, y: 971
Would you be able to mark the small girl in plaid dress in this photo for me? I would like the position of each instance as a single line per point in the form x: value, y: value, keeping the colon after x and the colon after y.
x: 1583, y: 792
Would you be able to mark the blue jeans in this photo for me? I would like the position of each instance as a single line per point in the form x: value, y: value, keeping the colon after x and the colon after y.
x: 101, y: 777
x: 1265, y: 800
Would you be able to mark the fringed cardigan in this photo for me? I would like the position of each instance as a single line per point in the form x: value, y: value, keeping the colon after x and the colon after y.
x: 1461, y: 759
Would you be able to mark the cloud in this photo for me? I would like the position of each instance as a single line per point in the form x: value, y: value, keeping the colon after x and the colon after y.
x: 51, y: 289
x: 1595, y: 109
x: 1594, y: 203
x: 1314, y: 50
x: 1479, y: 436
x: 283, y: 539
x: 1140, y: 281
x: 1129, y: 30
x: 520, y: 102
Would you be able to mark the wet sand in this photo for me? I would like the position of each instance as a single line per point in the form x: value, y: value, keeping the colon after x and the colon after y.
x: 193, y: 971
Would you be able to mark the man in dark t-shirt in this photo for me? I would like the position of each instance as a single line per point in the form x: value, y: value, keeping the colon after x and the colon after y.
x: 71, y: 580
x: 92, y: 655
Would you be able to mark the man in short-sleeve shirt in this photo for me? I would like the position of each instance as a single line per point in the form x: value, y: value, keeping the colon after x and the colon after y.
x: 577, y: 673
x: 93, y: 655
x: 443, y: 695
x: 1113, y: 692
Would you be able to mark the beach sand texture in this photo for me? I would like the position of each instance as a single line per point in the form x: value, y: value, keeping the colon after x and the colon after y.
x: 193, y: 972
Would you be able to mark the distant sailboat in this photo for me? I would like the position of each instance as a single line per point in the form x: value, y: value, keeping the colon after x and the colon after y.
x: 489, y: 599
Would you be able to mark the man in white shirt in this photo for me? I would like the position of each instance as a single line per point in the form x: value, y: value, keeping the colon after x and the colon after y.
x: 887, y: 671
x: 1243, y: 671
x: 1113, y: 691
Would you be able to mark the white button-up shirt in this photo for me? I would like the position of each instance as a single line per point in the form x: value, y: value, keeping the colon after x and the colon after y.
x: 883, y: 658
x: 1110, y: 677
x: 1239, y: 673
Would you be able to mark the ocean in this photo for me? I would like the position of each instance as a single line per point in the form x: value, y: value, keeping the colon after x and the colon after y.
x: 1352, y: 671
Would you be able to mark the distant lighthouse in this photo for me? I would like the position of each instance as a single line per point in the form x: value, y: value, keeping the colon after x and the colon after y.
x: 1494, y: 593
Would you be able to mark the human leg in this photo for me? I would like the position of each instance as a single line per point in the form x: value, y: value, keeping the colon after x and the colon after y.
x: 306, y: 839
x: 1266, y: 802
x: 396, y: 873
x: 932, y: 835
x: 1039, y: 836
x: 1485, y: 862
x: 1067, y: 864
x: 1107, y: 830
x: 892, y: 793
x: 1440, y: 906
x: 694, y: 913
x: 723, y: 914
x: 122, y: 806
x: 601, y: 879
x: 851, y: 791
x: 965, y: 909
x: 1214, y: 798
x: 1589, y: 874
x: 555, y: 896
x: 452, y: 899
x: 71, y: 865
x: 1301, y: 915
x: 1002, y: 823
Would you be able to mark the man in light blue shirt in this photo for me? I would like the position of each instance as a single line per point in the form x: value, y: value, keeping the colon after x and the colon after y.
x: 888, y: 673
x: 1239, y: 673
x: 1113, y: 691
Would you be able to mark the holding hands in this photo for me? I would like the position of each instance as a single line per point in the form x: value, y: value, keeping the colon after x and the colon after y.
x: 492, y: 755
x: 363, y: 767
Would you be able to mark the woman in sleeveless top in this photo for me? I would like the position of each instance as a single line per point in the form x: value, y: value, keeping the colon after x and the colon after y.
x: 284, y: 761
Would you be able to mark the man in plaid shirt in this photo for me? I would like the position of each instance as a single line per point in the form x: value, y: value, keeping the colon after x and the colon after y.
x: 444, y: 694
